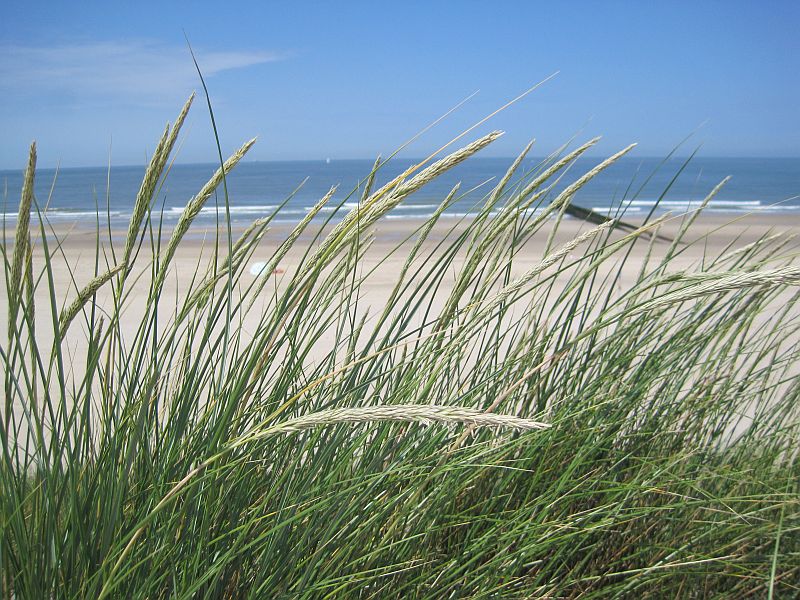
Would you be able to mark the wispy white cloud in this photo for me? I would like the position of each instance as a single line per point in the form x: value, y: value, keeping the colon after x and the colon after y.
x: 133, y: 69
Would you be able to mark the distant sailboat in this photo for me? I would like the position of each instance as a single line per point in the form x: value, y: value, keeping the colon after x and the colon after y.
x: 327, y: 161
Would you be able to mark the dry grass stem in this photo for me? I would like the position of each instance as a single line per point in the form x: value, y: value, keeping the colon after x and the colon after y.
x: 83, y: 297
x: 410, y: 413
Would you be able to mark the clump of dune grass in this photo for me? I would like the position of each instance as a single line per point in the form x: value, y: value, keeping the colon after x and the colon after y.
x: 563, y: 432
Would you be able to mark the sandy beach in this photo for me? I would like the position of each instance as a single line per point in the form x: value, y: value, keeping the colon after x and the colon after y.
x: 709, y: 235
x: 74, y: 264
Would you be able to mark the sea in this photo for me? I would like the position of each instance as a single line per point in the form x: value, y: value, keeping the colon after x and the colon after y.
x: 287, y: 189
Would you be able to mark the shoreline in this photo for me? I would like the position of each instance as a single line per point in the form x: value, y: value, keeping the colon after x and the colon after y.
x: 719, y: 226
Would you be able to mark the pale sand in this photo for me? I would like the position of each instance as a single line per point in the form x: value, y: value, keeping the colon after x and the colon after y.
x: 709, y: 235
x: 712, y: 235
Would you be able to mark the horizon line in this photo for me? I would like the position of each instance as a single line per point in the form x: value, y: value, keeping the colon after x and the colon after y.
x: 330, y: 160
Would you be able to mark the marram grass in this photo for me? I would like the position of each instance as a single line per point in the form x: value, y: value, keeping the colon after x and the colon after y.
x: 561, y: 433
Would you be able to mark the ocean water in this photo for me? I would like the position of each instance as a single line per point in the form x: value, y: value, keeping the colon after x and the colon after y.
x: 633, y: 185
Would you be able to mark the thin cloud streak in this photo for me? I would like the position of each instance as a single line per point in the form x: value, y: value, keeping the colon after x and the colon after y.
x: 129, y: 70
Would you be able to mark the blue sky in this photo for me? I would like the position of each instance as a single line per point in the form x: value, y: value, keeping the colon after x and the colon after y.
x: 351, y: 80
